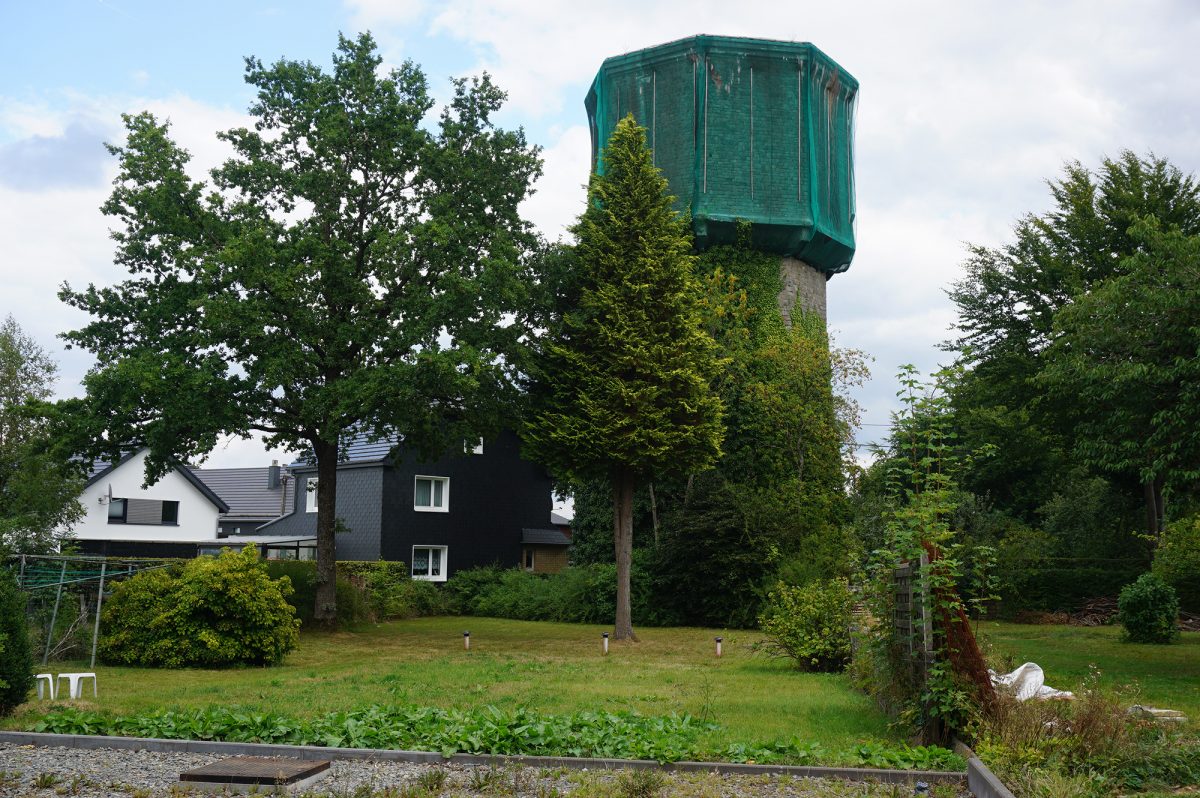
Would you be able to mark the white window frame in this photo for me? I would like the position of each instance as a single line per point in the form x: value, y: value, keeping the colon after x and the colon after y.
x: 473, y: 447
x: 426, y: 577
x: 310, y: 495
x: 445, y: 505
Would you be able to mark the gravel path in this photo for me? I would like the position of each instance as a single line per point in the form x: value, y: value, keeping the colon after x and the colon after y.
x: 41, y: 772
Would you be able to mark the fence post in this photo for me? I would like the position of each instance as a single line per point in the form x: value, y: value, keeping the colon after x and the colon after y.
x: 99, y: 601
x: 54, y: 615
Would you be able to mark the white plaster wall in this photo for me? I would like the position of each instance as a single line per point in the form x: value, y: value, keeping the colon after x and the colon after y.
x: 197, y: 515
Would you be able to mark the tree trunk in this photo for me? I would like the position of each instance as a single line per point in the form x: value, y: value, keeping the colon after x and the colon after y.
x: 325, y: 611
x: 654, y: 513
x: 1155, y: 509
x: 623, y: 545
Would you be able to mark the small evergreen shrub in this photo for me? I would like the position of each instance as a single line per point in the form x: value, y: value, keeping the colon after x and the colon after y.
x: 1177, y: 561
x: 810, y: 624
x: 209, y: 612
x: 16, y: 658
x: 1149, y: 611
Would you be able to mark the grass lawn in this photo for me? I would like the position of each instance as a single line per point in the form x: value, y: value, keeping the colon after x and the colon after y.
x: 1167, y: 676
x: 547, y: 667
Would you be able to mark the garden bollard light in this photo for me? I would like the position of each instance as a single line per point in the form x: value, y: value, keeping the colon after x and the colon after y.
x: 605, y: 636
x: 719, y: 639
x: 467, y: 641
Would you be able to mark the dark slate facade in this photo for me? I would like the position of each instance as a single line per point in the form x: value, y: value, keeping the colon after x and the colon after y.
x: 490, y: 499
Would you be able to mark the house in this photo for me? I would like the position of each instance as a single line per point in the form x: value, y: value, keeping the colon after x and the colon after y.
x: 254, y: 495
x: 483, y: 506
x: 124, y: 519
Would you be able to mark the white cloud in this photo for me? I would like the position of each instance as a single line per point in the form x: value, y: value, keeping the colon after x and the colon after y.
x: 560, y: 193
x: 58, y: 234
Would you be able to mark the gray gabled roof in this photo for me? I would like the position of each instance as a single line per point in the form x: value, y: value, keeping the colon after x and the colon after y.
x: 559, y: 520
x: 356, y: 448
x: 545, y: 537
x: 245, y: 491
x: 100, y: 468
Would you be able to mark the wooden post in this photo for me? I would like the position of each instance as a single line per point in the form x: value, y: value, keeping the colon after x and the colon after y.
x: 96, y: 628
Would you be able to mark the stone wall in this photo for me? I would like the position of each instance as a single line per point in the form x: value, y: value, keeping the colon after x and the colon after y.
x: 803, y: 286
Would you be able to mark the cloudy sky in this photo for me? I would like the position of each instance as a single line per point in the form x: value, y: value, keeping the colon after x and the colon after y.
x: 965, y: 109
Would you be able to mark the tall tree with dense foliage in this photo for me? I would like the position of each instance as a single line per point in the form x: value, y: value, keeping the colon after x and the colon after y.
x: 1016, y: 301
x: 1128, y: 352
x: 622, y: 391
x: 39, y: 486
x: 350, y: 268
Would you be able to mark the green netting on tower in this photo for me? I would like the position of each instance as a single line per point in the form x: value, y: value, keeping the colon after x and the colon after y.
x: 744, y: 129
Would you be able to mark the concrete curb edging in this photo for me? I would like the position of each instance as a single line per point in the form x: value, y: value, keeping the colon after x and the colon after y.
x: 983, y: 783
x: 90, y: 742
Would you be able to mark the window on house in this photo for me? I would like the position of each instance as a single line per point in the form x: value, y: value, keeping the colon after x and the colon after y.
x: 528, y: 559
x: 429, y: 563
x: 310, y: 495
x: 473, y: 447
x: 143, y: 512
x: 431, y: 494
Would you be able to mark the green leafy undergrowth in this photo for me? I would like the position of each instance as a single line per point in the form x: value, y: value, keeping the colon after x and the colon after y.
x: 486, y: 730
x: 870, y: 754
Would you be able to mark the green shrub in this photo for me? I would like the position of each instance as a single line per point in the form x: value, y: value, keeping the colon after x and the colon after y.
x: 391, y: 590
x: 810, y: 624
x: 209, y: 612
x: 16, y: 659
x: 1149, y: 611
x: 1177, y: 560
x: 579, y: 594
x: 353, y: 605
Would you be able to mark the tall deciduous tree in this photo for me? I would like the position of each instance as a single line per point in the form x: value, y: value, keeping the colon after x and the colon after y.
x: 623, y: 387
x: 1128, y: 352
x: 39, y: 486
x: 1010, y: 303
x: 353, y: 270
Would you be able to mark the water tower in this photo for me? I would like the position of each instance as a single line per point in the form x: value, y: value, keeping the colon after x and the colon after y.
x: 746, y: 129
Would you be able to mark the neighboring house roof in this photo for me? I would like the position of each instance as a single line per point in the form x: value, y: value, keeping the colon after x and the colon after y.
x: 246, y: 492
x: 545, y: 537
x: 559, y: 520
x: 355, y: 449
x: 101, y: 468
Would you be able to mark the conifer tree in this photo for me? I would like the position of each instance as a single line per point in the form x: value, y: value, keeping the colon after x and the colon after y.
x: 622, y: 389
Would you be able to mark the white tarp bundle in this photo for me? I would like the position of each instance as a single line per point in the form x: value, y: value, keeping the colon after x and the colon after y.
x: 1028, y: 681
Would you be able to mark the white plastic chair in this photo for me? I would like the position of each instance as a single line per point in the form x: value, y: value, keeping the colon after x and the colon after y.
x: 75, y: 683
x: 48, y: 687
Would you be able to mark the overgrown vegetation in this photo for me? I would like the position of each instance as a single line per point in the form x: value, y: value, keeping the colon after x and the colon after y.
x: 210, y: 611
x: 1089, y: 747
x: 486, y: 730
x: 16, y: 659
x: 935, y: 679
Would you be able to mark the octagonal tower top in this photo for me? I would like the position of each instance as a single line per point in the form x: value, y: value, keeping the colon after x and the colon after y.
x: 743, y: 129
